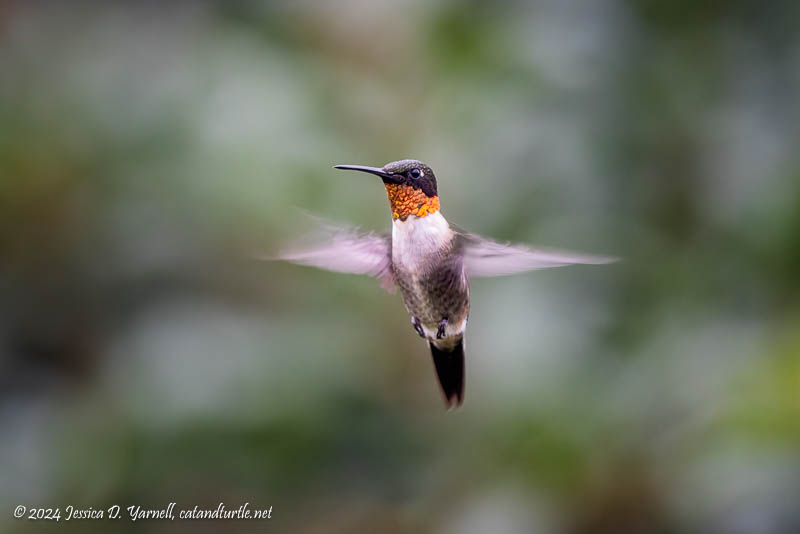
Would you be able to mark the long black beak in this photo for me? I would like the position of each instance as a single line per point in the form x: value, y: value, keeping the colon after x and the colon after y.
x: 387, y: 178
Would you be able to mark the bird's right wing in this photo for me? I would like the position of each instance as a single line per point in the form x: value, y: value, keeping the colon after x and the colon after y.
x: 345, y: 250
x: 484, y: 257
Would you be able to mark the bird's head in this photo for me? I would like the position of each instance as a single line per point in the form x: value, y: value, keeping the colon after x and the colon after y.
x: 410, y: 185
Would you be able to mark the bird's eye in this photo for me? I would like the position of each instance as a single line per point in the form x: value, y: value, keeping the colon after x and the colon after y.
x: 415, y: 173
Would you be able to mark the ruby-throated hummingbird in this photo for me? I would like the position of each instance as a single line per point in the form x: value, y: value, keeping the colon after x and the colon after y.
x: 429, y: 261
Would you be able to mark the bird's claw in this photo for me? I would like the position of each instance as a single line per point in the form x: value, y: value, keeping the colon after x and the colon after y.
x: 440, y: 330
x: 417, y: 326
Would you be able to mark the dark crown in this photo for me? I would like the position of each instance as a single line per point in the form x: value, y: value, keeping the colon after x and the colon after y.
x: 413, y: 173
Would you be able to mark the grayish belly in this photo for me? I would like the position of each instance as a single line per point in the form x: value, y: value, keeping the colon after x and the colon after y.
x: 429, y: 271
x: 435, y: 295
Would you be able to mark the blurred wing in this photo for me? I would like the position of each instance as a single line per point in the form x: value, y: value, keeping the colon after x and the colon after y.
x: 345, y: 250
x: 483, y: 257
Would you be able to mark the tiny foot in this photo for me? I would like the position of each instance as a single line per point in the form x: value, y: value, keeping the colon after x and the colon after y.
x: 440, y: 330
x: 417, y: 326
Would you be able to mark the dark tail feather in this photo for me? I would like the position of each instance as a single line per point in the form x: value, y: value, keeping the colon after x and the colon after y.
x: 450, y: 370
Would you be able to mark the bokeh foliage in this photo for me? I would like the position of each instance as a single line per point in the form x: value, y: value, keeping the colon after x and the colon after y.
x: 148, y: 149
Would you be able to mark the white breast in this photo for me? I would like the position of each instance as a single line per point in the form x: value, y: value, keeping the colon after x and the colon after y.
x: 417, y: 238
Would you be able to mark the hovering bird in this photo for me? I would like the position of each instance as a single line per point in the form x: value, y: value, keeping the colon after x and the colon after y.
x: 431, y: 262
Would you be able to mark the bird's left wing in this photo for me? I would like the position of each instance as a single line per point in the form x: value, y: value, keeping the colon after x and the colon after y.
x: 484, y: 257
x: 345, y: 250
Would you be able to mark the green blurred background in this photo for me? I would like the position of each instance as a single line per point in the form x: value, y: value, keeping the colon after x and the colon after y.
x: 147, y: 148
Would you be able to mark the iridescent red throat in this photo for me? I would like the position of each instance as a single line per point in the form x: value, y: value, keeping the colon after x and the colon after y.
x: 405, y: 200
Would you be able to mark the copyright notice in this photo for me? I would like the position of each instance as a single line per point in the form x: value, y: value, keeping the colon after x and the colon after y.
x: 136, y: 513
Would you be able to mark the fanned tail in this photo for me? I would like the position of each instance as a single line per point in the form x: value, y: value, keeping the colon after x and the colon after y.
x: 449, y: 365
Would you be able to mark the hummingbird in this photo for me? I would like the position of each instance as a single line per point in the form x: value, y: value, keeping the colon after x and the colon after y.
x: 430, y: 261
